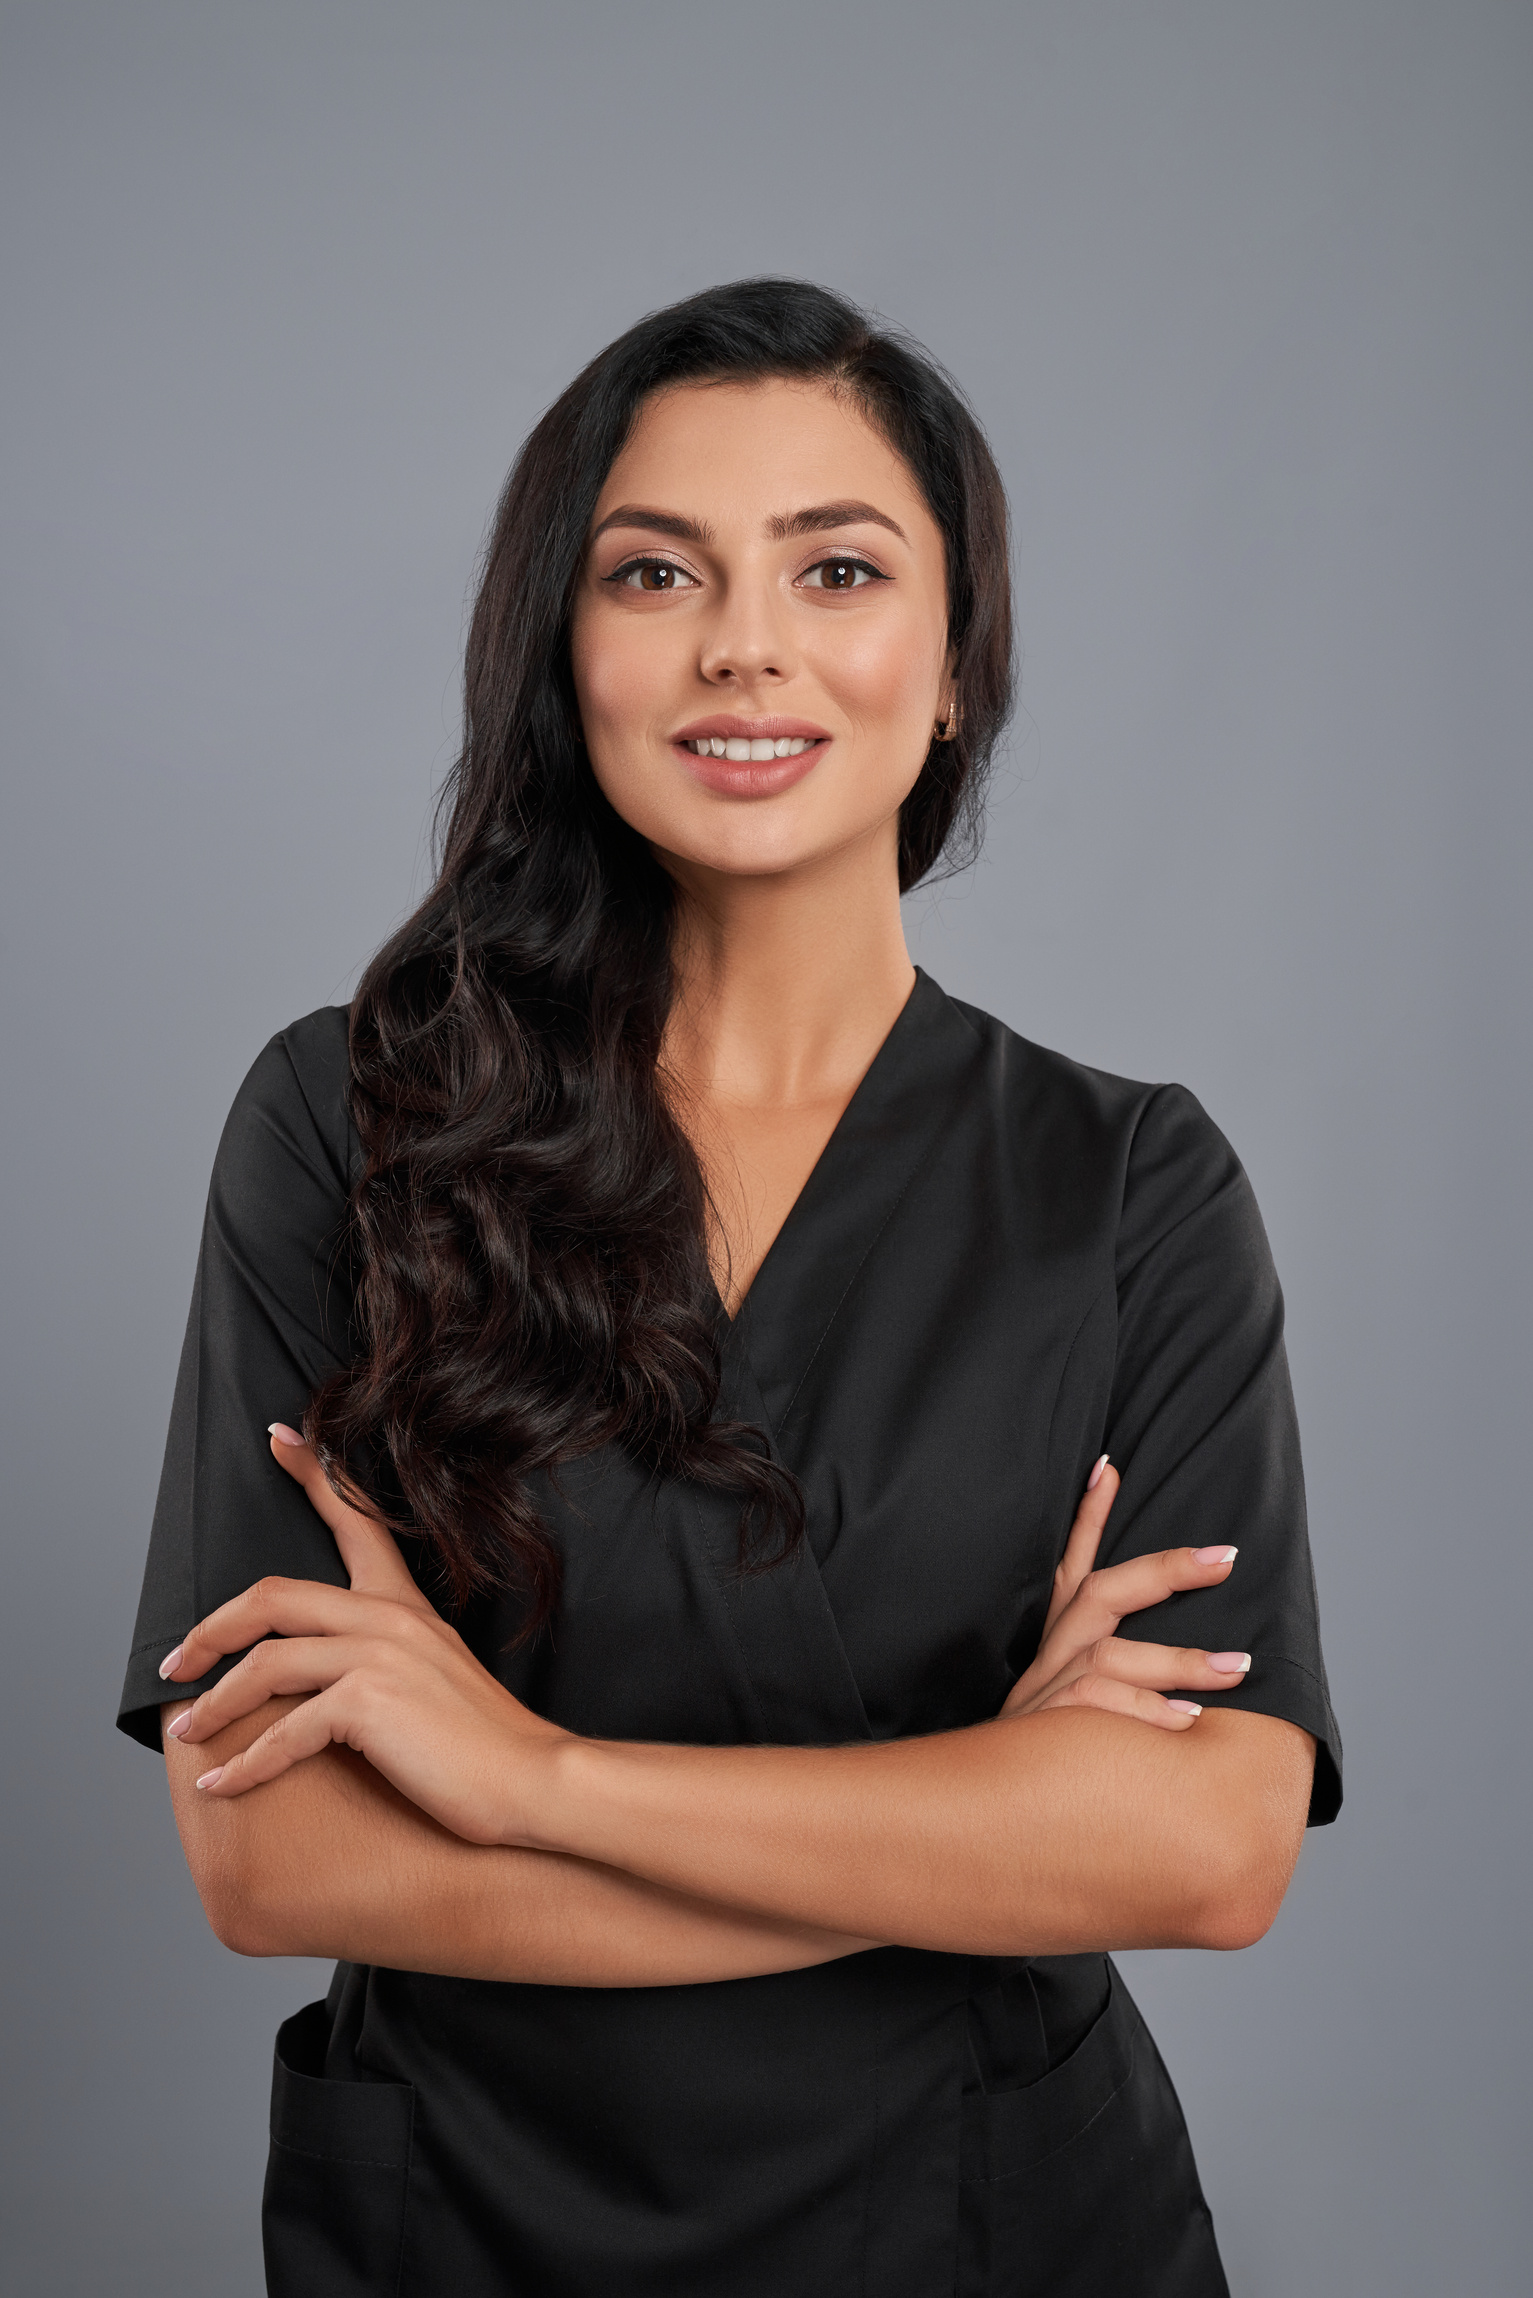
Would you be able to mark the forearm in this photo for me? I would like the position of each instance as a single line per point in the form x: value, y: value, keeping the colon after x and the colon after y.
x: 1052, y: 1833
x: 330, y: 1861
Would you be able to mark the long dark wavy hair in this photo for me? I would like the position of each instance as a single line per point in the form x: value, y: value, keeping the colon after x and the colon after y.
x: 529, y: 1230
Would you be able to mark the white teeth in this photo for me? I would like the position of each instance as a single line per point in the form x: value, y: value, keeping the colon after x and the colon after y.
x: 740, y: 750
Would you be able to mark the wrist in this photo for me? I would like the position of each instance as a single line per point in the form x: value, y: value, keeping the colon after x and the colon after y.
x: 553, y: 1782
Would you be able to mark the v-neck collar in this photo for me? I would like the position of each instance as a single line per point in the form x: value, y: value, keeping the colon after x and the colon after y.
x: 776, y: 1627
x: 881, y: 1140
x: 735, y: 1322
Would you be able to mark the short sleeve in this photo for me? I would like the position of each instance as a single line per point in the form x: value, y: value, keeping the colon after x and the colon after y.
x: 1201, y: 1423
x: 270, y: 1316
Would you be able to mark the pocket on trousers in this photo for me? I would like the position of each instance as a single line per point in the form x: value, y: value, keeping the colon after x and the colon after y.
x: 333, y: 2212
x: 1084, y: 2183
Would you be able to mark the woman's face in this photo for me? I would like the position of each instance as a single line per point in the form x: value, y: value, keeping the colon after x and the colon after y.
x: 764, y: 580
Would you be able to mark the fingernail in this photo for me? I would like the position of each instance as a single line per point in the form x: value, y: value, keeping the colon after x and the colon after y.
x: 171, y: 1662
x: 1095, y: 1478
x: 178, y: 1724
x: 1182, y: 1707
x: 212, y: 1778
x: 1229, y: 1663
x: 284, y: 1435
x: 1214, y: 1555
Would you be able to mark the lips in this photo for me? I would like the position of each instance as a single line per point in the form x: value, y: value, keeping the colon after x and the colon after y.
x: 750, y: 757
x: 741, y: 757
x: 753, y: 741
x: 731, y: 725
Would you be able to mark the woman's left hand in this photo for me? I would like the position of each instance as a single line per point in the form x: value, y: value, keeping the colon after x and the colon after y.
x: 387, y: 1676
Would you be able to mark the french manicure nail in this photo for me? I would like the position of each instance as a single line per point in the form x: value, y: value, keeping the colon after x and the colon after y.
x: 178, y: 1724
x: 1214, y: 1555
x: 1182, y: 1707
x: 170, y: 1663
x: 1229, y: 1663
x: 212, y: 1778
x: 1095, y: 1478
x: 284, y: 1435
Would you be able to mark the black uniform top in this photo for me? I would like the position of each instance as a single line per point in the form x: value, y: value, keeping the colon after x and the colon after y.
x: 1002, y: 1265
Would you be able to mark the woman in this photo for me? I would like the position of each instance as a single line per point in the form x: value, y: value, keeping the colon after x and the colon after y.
x: 721, y: 1795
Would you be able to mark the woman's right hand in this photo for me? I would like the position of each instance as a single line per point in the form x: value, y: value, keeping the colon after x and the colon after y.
x: 1083, y: 1662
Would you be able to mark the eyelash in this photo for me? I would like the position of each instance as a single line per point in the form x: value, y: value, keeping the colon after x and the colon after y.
x: 620, y: 574
x: 847, y: 559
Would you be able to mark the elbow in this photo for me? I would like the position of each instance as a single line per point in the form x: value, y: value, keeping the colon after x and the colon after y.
x: 1239, y: 1903
x: 241, y: 1915
x: 235, y: 1923
x: 1249, y: 1839
x: 240, y: 1928
x: 1238, y: 1919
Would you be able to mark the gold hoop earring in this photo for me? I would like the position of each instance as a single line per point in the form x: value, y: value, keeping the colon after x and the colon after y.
x: 946, y: 728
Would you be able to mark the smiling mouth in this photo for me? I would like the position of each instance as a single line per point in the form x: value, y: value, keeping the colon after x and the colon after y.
x: 735, y: 747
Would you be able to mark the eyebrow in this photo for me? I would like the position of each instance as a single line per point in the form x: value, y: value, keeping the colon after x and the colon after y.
x: 814, y: 520
x: 657, y: 522
x: 820, y: 516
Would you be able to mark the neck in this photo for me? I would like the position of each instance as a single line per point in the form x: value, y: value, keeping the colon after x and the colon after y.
x: 787, y: 985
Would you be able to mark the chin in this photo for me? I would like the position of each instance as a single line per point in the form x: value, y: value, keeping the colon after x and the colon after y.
x: 750, y: 856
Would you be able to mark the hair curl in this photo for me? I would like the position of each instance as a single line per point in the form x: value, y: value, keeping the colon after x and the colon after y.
x: 528, y: 1232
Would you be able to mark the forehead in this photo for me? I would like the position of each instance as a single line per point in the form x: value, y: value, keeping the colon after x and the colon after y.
x: 744, y: 452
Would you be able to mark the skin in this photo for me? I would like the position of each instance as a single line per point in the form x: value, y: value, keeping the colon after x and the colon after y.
x: 359, y: 1785
x: 791, y: 952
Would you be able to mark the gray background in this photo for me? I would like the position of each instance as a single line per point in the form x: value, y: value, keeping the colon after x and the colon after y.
x: 1243, y: 295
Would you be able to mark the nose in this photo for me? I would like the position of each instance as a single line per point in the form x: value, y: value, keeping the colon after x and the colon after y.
x: 749, y: 640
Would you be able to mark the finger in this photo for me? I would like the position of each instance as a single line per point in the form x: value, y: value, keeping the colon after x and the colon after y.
x: 273, y: 1607
x: 1107, y: 1596
x: 304, y: 1731
x: 368, y: 1549
x: 1163, y: 1667
x: 1154, y: 1667
x: 1085, y: 1537
x: 276, y: 1669
x: 1113, y: 1698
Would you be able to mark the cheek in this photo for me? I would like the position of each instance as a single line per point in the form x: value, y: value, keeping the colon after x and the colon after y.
x: 617, y: 678
x: 621, y: 691
x: 888, y: 671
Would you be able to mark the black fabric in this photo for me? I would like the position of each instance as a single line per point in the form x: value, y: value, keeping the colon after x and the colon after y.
x: 1003, y: 1265
x: 333, y: 2212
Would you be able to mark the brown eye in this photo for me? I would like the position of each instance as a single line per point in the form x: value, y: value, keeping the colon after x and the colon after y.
x: 652, y: 575
x: 842, y: 574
